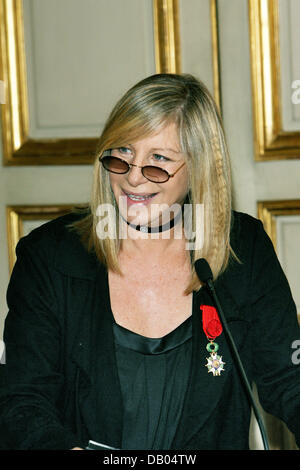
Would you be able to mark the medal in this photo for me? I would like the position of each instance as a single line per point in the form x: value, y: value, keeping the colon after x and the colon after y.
x: 214, y: 362
x: 212, y: 328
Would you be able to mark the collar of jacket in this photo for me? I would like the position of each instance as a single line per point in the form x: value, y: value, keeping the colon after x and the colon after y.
x: 71, y: 257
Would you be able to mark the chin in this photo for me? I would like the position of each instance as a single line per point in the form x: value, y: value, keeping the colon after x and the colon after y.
x: 156, y: 217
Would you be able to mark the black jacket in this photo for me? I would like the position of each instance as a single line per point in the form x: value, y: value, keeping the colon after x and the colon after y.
x: 60, y: 386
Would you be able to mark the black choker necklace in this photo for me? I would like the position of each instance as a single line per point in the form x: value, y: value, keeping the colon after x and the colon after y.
x: 160, y: 228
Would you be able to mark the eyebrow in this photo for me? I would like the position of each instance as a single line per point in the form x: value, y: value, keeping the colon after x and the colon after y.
x: 159, y: 149
x: 164, y: 149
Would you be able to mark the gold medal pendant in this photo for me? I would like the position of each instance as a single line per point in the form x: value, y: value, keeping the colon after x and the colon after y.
x: 214, y: 362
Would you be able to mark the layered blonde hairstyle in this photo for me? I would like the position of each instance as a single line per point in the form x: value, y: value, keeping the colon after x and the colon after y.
x: 144, y: 110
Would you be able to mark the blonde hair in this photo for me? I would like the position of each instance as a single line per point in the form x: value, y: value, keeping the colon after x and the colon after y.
x: 146, y: 108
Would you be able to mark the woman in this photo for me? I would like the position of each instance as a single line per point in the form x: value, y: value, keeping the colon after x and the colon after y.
x: 107, y: 334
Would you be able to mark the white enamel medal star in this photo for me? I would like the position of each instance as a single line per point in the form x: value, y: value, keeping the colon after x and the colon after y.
x: 215, y: 364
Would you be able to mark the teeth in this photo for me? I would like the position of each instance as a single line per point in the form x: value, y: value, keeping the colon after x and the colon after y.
x: 138, y: 198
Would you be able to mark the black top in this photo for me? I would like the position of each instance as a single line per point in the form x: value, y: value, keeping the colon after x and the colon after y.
x: 153, y: 374
x: 60, y: 386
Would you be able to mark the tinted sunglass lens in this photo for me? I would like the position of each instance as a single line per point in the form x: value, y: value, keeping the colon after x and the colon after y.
x: 155, y: 174
x: 116, y: 165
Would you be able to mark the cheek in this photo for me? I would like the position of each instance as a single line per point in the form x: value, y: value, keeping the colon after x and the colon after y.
x: 185, y: 184
x: 115, y: 182
x: 181, y: 187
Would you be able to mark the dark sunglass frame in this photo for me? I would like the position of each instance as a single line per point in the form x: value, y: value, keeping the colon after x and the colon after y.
x: 102, y: 159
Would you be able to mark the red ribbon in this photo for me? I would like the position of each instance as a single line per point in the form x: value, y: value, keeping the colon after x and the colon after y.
x: 212, y: 326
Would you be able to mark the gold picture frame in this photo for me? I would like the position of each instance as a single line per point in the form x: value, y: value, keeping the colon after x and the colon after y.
x: 18, y: 147
x: 214, y: 18
x: 271, y: 142
x: 167, y: 36
x: 167, y: 41
x: 16, y: 216
x: 267, y: 211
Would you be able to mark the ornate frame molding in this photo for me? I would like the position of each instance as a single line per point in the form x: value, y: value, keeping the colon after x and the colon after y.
x: 267, y: 212
x: 18, y: 147
x: 167, y: 36
x: 271, y: 142
x: 214, y: 17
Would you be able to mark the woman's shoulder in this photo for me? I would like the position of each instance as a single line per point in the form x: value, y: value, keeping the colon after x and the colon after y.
x: 52, y: 232
x: 245, y: 226
x: 57, y: 243
x: 241, y: 221
x: 248, y: 235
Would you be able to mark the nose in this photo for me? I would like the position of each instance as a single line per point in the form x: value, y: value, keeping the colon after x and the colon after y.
x: 135, y: 176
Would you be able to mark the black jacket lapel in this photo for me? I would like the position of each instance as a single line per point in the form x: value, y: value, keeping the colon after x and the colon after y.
x: 100, y: 400
x: 206, y: 391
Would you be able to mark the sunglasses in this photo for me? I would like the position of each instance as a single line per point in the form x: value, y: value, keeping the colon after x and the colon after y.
x: 152, y: 173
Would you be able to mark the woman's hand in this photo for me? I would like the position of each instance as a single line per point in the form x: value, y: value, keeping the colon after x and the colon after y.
x: 76, y: 448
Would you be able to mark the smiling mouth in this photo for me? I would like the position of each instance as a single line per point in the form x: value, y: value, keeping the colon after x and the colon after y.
x: 136, y: 197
